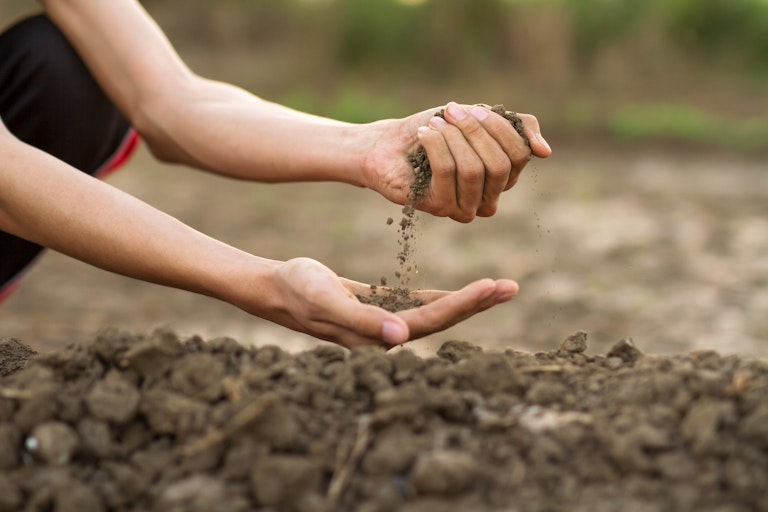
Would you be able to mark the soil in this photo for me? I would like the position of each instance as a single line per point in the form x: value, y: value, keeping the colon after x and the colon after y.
x: 134, y: 422
x: 398, y: 298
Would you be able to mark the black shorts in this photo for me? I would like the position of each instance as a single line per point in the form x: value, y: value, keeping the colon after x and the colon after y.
x: 49, y: 100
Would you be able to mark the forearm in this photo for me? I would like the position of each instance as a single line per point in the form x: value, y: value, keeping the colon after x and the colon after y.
x: 198, y: 122
x: 224, y: 129
x: 48, y: 202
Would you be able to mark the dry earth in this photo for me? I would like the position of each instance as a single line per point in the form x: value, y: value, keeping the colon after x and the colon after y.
x: 157, y: 423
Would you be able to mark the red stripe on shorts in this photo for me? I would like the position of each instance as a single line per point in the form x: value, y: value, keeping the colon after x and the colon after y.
x: 120, y: 157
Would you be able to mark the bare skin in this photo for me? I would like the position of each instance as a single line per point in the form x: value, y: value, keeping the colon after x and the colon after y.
x: 220, y: 128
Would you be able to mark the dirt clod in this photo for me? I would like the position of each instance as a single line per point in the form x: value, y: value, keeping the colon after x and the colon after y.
x: 327, y: 430
x: 13, y: 355
x: 576, y: 343
x: 54, y: 442
x: 625, y: 350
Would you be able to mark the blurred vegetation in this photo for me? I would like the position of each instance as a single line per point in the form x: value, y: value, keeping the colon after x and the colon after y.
x: 638, y: 69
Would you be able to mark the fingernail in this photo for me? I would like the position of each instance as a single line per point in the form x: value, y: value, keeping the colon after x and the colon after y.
x: 456, y: 111
x: 478, y: 113
x: 422, y: 130
x: 437, y: 122
x: 393, y: 332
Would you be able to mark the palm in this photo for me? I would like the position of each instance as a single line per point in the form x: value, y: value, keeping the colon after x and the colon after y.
x: 387, y: 164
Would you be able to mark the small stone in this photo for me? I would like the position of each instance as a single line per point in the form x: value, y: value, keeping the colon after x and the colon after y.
x: 626, y: 351
x: 456, y: 350
x: 53, y: 442
x: 576, y: 343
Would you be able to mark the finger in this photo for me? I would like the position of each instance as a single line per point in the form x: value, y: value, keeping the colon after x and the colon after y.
x: 448, y: 310
x: 443, y: 199
x: 469, y: 168
x: 498, y: 166
x: 539, y: 145
x: 516, y: 149
x: 373, y: 323
x: 362, y: 324
x: 428, y: 296
x: 366, y: 320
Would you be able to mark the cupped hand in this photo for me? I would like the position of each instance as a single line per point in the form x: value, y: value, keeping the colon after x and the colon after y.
x: 474, y: 153
x: 312, y: 299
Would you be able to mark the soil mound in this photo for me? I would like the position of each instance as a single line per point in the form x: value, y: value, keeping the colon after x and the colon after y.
x: 155, y: 423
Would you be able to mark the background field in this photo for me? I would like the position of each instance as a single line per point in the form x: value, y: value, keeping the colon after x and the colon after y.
x: 649, y: 221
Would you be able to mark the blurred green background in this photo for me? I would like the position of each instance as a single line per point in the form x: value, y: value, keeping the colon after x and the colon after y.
x: 676, y: 70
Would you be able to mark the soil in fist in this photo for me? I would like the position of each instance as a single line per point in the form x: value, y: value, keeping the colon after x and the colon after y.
x: 420, y: 162
x: 398, y: 298
x: 155, y: 423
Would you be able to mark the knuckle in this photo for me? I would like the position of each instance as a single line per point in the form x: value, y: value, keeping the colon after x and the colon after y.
x: 464, y: 216
x: 488, y: 210
x: 499, y: 167
x: 520, y: 156
x: 442, y: 211
x: 473, y: 174
x: 471, y: 127
x: 444, y: 171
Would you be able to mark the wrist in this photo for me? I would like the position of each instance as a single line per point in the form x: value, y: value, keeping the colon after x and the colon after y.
x: 352, y: 156
x: 243, y: 280
x: 372, y: 136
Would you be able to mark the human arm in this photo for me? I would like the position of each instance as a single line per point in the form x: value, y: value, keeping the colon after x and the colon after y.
x: 46, y: 201
x: 215, y: 126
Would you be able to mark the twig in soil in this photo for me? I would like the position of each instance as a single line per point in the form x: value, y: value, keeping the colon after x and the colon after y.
x: 241, y: 419
x: 345, y: 465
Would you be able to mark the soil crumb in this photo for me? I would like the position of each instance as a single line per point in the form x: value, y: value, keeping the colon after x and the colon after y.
x: 13, y: 355
x: 133, y: 422
x: 399, y: 298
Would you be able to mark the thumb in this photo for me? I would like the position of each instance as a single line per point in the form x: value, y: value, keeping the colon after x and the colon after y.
x: 376, y: 323
x: 394, y: 330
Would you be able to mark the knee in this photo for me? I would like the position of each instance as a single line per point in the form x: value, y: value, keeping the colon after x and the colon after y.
x: 49, y: 99
x: 47, y: 60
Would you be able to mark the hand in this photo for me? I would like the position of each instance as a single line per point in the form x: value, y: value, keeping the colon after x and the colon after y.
x: 475, y: 156
x: 314, y: 300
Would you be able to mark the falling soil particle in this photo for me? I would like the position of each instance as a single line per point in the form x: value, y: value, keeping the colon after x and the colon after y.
x: 399, y: 297
x: 332, y: 430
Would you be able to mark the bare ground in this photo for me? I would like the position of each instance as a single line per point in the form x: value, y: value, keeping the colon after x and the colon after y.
x: 155, y: 423
x: 664, y: 247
